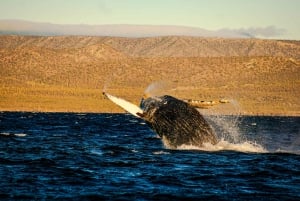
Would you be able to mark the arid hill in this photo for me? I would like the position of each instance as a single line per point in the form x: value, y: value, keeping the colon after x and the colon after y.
x: 68, y: 73
x: 168, y: 46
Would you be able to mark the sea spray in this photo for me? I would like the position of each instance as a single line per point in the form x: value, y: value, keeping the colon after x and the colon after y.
x: 228, y: 129
x: 112, y: 77
x: 158, y: 88
x: 223, y: 145
x: 225, y: 120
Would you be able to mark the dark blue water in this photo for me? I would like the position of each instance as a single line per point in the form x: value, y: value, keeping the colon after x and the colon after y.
x: 63, y: 156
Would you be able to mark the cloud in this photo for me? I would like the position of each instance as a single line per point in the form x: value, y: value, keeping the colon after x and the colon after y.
x: 269, y: 31
x: 253, y: 32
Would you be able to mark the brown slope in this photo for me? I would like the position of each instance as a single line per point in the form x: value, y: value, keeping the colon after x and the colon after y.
x: 51, y: 42
x: 169, y: 46
x: 176, y: 46
x: 47, y: 72
x: 33, y: 61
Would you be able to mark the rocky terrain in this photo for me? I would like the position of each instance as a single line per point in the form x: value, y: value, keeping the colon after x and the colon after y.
x: 68, y: 73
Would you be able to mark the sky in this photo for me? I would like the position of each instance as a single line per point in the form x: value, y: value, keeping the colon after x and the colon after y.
x: 282, y: 15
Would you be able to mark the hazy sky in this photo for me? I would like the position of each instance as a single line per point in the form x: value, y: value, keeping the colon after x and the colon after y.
x: 283, y: 15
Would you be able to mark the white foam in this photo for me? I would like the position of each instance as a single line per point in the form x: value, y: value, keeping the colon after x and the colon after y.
x: 97, y: 152
x: 160, y: 152
x: 287, y: 151
x: 20, y: 134
x: 14, y: 134
x: 222, y: 145
x: 81, y: 114
x: 158, y: 88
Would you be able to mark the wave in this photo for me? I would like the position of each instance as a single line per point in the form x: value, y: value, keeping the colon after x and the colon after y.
x: 223, y: 145
x: 287, y: 151
x: 13, y: 134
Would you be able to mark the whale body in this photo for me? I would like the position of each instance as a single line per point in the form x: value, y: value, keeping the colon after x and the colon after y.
x: 177, y: 122
x: 174, y: 120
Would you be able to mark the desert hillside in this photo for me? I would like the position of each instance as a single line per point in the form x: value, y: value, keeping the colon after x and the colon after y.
x: 168, y: 46
x: 68, y: 73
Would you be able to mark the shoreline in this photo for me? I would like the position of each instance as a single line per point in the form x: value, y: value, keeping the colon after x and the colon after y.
x: 120, y: 112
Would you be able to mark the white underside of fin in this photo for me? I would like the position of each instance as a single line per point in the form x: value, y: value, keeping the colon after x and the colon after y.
x: 129, y: 107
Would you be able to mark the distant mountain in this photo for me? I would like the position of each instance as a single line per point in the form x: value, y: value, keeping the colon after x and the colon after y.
x: 20, y: 27
x: 163, y: 46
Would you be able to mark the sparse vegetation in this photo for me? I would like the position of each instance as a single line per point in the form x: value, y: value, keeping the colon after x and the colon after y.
x: 69, y: 73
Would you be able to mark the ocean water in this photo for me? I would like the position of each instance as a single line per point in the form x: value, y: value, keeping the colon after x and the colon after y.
x: 69, y: 156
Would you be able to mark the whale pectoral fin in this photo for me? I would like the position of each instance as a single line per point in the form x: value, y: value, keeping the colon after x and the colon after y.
x: 126, y: 105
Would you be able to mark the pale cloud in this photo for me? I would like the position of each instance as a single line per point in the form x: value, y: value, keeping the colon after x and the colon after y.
x: 253, y: 32
x: 269, y: 31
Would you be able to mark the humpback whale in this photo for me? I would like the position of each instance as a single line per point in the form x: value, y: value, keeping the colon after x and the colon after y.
x: 174, y: 120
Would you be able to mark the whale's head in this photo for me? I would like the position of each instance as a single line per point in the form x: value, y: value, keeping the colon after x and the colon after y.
x: 152, y: 105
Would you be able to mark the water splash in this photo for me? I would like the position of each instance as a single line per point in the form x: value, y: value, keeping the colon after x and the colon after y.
x: 107, y: 82
x: 227, y: 126
x: 228, y: 131
x: 158, y: 88
x: 105, y: 86
x: 223, y: 145
x: 13, y: 134
x: 113, y: 77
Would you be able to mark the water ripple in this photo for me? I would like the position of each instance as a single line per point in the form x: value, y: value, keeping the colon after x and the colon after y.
x: 116, y: 157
